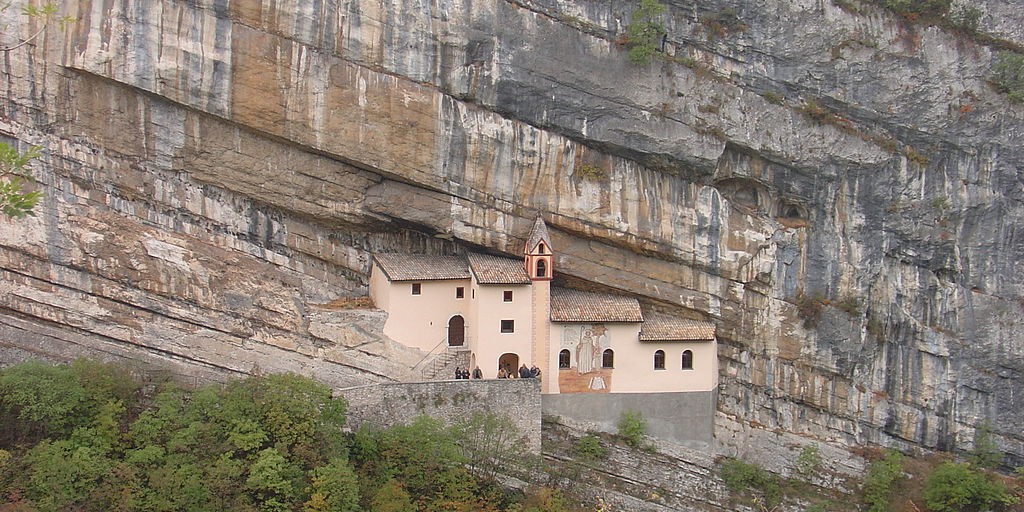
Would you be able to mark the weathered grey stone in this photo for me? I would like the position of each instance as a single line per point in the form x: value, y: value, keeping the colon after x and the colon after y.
x: 451, y: 401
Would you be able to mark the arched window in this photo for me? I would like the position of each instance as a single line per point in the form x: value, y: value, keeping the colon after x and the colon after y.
x: 608, y: 359
x: 659, y: 360
x: 563, y: 358
x: 542, y: 268
x: 541, y: 248
x: 687, y: 360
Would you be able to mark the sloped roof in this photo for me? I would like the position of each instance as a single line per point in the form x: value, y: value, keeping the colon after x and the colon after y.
x: 497, y: 270
x: 537, y: 234
x: 578, y: 306
x: 660, y: 327
x: 419, y: 267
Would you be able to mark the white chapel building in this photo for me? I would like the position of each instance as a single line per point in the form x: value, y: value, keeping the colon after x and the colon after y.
x: 599, y: 354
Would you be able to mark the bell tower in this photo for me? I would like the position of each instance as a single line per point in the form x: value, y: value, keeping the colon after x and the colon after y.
x: 538, y: 261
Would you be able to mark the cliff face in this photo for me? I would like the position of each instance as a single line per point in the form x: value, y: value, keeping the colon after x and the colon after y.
x: 839, y: 191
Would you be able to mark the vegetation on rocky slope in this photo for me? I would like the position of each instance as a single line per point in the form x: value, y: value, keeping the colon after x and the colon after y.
x: 89, y: 437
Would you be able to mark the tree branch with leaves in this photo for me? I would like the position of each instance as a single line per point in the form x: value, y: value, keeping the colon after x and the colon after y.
x: 15, y: 202
x: 46, y: 12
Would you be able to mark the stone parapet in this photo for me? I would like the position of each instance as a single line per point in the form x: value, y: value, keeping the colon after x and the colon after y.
x: 389, y: 404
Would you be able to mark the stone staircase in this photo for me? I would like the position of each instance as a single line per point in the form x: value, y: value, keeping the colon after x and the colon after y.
x: 442, y: 366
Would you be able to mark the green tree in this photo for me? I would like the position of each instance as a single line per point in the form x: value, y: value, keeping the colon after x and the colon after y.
x: 644, y: 32
x: 334, y: 488
x: 956, y: 487
x: 274, y: 480
x: 485, y: 440
x: 270, y: 443
x: 424, y: 456
x: 15, y: 202
x: 986, y: 453
x: 42, y: 400
x: 66, y: 476
x: 878, y: 483
x: 392, y: 497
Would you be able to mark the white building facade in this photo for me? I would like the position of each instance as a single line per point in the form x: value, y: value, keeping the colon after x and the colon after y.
x: 588, y: 345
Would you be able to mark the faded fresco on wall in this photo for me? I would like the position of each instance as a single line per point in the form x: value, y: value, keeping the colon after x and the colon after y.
x: 586, y: 343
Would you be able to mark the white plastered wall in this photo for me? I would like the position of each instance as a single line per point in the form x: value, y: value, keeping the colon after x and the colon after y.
x: 421, y: 321
x: 637, y: 361
x: 634, y: 370
x: 489, y: 309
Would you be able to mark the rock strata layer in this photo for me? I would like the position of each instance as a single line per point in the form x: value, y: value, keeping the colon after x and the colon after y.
x: 838, y: 191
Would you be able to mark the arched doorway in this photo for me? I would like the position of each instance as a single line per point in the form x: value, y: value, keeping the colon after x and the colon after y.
x: 456, y: 331
x: 509, y: 361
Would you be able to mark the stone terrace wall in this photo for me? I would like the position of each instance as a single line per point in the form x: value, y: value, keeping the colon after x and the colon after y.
x: 392, y: 404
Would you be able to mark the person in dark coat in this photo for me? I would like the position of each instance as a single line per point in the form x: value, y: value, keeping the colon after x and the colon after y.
x: 477, y: 374
x: 524, y: 372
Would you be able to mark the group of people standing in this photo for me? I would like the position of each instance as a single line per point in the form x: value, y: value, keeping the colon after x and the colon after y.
x: 504, y: 372
x: 507, y: 372
x: 464, y: 373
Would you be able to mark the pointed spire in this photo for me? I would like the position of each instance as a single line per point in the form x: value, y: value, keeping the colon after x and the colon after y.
x: 537, y: 235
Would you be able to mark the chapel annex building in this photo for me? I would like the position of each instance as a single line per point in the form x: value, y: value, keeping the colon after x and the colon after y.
x: 599, y: 354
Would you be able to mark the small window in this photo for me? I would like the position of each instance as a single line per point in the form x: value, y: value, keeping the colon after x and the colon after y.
x: 542, y: 249
x: 542, y: 268
x: 687, y: 360
x: 508, y: 326
x: 460, y: 292
x: 563, y: 358
x: 474, y: 293
x: 608, y: 359
x: 507, y: 296
x: 416, y: 288
x: 659, y: 360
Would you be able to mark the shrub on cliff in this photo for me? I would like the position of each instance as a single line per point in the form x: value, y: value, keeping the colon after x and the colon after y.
x: 752, y: 481
x: 589, y: 448
x: 956, y: 487
x: 644, y: 32
x: 1008, y: 75
x: 913, y: 9
x: 882, y: 474
x: 15, y: 201
x: 632, y: 428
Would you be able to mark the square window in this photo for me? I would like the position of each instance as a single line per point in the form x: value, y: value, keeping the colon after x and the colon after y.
x: 507, y: 296
x: 416, y: 288
x: 460, y: 292
x: 508, y: 326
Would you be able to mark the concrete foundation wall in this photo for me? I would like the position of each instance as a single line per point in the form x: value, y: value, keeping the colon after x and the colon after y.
x: 392, y: 404
x: 684, y: 418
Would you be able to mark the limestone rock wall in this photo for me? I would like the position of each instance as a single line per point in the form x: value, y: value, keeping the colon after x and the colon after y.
x: 839, y: 191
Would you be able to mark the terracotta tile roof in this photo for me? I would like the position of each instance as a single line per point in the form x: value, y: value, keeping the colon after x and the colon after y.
x: 576, y: 306
x: 537, y: 234
x: 660, y: 327
x: 419, y: 267
x: 497, y: 270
